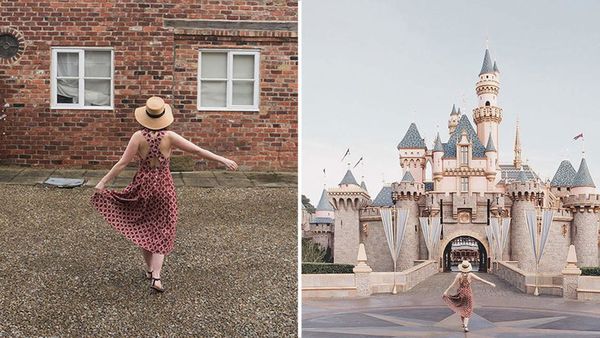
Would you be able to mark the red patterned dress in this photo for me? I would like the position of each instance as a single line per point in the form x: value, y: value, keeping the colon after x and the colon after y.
x: 146, y: 210
x: 462, y: 301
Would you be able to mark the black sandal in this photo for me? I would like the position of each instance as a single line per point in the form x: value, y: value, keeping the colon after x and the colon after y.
x: 153, y: 286
x: 148, y: 275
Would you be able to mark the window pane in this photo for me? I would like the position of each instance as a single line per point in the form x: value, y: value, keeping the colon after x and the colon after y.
x: 97, y: 92
x: 67, y: 64
x: 243, y: 93
x: 213, y: 93
x: 97, y: 63
x: 243, y: 66
x: 213, y: 65
x: 67, y: 91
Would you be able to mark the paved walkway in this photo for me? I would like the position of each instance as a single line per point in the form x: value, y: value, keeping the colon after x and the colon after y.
x: 499, y: 312
x: 202, y: 179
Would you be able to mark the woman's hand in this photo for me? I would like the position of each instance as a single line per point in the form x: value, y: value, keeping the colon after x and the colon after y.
x: 446, y: 293
x: 100, y: 186
x: 229, y: 164
x: 493, y: 285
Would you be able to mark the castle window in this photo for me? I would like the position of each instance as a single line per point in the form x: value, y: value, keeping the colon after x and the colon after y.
x: 487, y: 103
x: 464, y: 184
x: 464, y: 155
x: 82, y: 78
x: 228, y: 80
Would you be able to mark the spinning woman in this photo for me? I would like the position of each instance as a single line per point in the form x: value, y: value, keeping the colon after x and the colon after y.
x: 145, y: 211
x: 462, y: 301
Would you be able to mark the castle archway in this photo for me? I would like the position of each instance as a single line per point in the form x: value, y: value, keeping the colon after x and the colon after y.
x: 468, y: 248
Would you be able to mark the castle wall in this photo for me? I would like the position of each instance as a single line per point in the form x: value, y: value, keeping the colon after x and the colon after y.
x: 322, y: 239
x: 376, y: 247
x: 556, y: 249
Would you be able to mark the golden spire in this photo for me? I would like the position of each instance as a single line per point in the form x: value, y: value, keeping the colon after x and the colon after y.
x: 517, y: 161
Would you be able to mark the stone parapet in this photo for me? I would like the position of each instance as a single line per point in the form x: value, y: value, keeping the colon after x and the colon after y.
x: 408, y: 190
x: 583, y: 202
x: 528, y: 191
x: 487, y: 113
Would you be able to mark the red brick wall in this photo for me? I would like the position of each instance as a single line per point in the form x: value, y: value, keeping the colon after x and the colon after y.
x: 149, y: 59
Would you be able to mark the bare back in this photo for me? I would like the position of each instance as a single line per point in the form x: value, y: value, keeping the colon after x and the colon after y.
x: 165, y: 147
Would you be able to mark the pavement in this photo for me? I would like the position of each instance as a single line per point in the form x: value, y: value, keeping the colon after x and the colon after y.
x: 65, y: 272
x: 499, y: 312
x: 201, y: 179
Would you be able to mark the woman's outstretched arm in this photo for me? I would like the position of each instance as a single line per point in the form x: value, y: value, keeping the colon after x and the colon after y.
x: 181, y: 143
x: 451, y: 285
x: 482, y: 280
x: 128, y: 155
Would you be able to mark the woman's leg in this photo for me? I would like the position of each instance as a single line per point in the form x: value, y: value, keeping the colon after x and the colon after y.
x: 156, y: 265
x: 462, y: 321
x: 466, y: 321
x: 147, y: 258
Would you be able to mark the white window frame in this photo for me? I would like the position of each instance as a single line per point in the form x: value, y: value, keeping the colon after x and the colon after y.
x: 464, y: 155
x: 81, y: 76
x: 464, y: 183
x: 229, y: 106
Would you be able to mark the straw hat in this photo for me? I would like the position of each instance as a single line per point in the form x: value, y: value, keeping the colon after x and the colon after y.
x: 156, y: 114
x: 465, y: 266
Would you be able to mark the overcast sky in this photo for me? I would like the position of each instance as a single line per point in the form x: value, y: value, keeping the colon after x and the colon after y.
x: 370, y: 68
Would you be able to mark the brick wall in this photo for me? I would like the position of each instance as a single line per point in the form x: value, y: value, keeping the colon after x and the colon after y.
x: 155, y: 53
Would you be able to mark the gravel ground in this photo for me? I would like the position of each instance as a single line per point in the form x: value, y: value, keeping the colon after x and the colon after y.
x: 65, y: 272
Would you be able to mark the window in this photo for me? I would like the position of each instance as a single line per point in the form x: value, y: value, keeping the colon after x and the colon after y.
x: 464, y: 155
x: 82, y: 78
x: 464, y: 184
x: 228, y: 80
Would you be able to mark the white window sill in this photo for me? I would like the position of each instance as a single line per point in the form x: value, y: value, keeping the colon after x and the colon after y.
x: 82, y: 108
x: 200, y: 109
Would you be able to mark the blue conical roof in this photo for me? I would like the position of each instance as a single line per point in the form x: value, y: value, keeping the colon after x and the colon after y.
x: 437, y: 146
x: 408, y: 177
x: 412, y: 139
x: 564, y: 175
x: 324, y: 204
x: 583, y: 177
x: 490, y: 144
x: 488, y: 66
x: 450, y: 146
x: 496, y: 67
x: 363, y: 185
x: 384, y: 197
x: 348, y: 178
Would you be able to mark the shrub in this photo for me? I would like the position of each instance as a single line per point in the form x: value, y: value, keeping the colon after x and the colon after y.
x: 590, y: 271
x: 312, y: 268
x: 312, y: 252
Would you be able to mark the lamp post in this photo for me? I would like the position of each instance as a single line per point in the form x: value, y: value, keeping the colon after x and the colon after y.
x: 394, y: 200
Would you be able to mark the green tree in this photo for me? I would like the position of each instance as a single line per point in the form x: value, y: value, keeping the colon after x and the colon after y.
x: 312, y: 252
x: 306, y: 203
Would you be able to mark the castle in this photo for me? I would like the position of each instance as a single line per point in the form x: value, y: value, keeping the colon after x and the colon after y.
x: 468, y: 186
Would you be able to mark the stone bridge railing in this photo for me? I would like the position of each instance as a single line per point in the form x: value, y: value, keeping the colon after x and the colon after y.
x: 349, y: 285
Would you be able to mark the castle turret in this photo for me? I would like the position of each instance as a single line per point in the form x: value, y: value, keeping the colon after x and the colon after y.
x: 412, y: 150
x: 491, y: 162
x: 321, y: 224
x: 453, y: 120
x: 525, y: 195
x: 408, y: 192
x: 562, y: 182
x: 437, y: 167
x: 585, y: 205
x: 347, y: 199
x: 488, y: 115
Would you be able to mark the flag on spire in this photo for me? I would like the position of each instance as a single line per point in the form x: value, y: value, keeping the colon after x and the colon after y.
x: 357, y: 162
x: 578, y: 136
x: 346, y: 154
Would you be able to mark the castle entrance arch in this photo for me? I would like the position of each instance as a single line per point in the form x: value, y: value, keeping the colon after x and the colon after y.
x: 465, y: 248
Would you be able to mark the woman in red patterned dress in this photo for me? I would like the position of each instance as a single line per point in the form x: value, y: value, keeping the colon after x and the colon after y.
x: 145, y: 211
x: 462, y: 301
